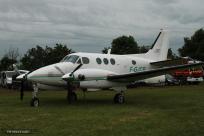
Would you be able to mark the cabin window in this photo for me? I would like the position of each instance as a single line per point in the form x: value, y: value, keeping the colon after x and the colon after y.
x: 105, y: 60
x: 85, y: 60
x: 133, y: 62
x: 112, y: 61
x: 98, y: 60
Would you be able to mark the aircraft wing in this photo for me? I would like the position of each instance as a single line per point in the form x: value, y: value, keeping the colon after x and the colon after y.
x: 131, y: 77
x: 167, y: 63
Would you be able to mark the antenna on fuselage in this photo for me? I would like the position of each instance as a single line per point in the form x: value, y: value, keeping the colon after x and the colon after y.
x: 109, y: 51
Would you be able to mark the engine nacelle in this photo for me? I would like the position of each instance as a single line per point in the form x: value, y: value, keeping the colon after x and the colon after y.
x: 94, y: 78
x: 156, y: 80
x: 92, y: 74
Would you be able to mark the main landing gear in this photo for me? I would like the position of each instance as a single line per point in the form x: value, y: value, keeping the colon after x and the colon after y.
x: 71, y: 97
x: 119, y: 98
x: 35, y: 101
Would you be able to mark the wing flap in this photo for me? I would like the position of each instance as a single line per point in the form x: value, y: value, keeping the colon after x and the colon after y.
x: 131, y: 77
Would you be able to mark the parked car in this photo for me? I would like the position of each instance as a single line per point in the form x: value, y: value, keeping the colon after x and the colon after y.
x: 7, y: 77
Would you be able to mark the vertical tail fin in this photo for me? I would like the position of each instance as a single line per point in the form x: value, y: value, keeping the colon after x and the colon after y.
x: 159, y: 49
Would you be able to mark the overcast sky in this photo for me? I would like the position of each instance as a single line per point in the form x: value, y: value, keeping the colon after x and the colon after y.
x: 90, y: 25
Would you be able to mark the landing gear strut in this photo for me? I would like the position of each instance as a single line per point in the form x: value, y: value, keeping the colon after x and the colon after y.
x: 71, y: 95
x: 35, y: 101
x: 119, y: 98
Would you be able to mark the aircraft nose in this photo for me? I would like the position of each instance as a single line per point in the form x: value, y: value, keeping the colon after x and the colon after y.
x: 50, y: 72
x: 41, y: 73
x: 36, y: 74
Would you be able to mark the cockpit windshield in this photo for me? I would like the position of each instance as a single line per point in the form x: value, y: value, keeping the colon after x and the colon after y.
x: 71, y: 58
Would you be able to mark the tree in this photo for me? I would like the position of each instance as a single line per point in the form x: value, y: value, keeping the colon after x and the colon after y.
x: 34, y: 58
x: 9, y: 59
x: 6, y: 63
x: 143, y: 49
x: 194, y: 46
x: 57, y: 53
x: 12, y: 53
x: 171, y: 55
x: 38, y: 57
x: 124, y: 45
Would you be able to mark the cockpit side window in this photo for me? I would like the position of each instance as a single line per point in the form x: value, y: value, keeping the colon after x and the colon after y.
x: 63, y: 60
x: 71, y: 58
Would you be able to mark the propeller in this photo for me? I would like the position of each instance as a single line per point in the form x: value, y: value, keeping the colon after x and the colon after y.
x: 78, y: 67
x: 22, y: 79
x: 22, y: 86
x: 66, y: 78
x: 22, y: 89
x: 59, y: 70
x: 69, y: 82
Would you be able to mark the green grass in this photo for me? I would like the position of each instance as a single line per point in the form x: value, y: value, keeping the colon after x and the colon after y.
x: 148, y: 111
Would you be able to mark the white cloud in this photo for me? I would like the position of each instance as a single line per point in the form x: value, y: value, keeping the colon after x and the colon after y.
x: 90, y: 25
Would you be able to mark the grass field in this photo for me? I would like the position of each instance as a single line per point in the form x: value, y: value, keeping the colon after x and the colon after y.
x: 165, y: 111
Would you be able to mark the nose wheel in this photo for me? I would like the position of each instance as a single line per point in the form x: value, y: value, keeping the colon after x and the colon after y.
x: 119, y: 98
x: 35, y: 102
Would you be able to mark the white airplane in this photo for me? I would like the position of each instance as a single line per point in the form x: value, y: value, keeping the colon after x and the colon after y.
x: 98, y: 71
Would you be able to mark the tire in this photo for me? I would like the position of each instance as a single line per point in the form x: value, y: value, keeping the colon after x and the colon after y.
x: 119, y: 98
x: 35, y: 102
x: 9, y: 86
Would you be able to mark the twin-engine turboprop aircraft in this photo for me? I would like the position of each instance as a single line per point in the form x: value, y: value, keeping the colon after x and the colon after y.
x: 98, y: 71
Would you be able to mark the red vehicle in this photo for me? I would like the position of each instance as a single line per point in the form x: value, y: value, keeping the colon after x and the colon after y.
x: 189, y: 76
x: 186, y: 73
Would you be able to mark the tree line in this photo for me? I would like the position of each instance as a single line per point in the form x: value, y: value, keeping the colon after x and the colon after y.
x: 38, y: 56
x: 35, y: 57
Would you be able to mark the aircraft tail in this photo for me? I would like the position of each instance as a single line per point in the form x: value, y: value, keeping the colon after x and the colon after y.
x: 159, y: 49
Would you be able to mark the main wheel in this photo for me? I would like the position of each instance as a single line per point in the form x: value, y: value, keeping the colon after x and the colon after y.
x: 119, y: 98
x: 72, y: 97
x: 35, y: 102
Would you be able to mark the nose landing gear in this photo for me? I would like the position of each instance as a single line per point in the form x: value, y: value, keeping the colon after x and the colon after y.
x: 35, y: 102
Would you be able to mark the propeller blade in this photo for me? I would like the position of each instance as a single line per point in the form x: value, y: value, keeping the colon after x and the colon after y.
x: 59, y: 70
x: 69, y: 76
x: 69, y: 83
x: 23, y: 79
x: 79, y: 66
